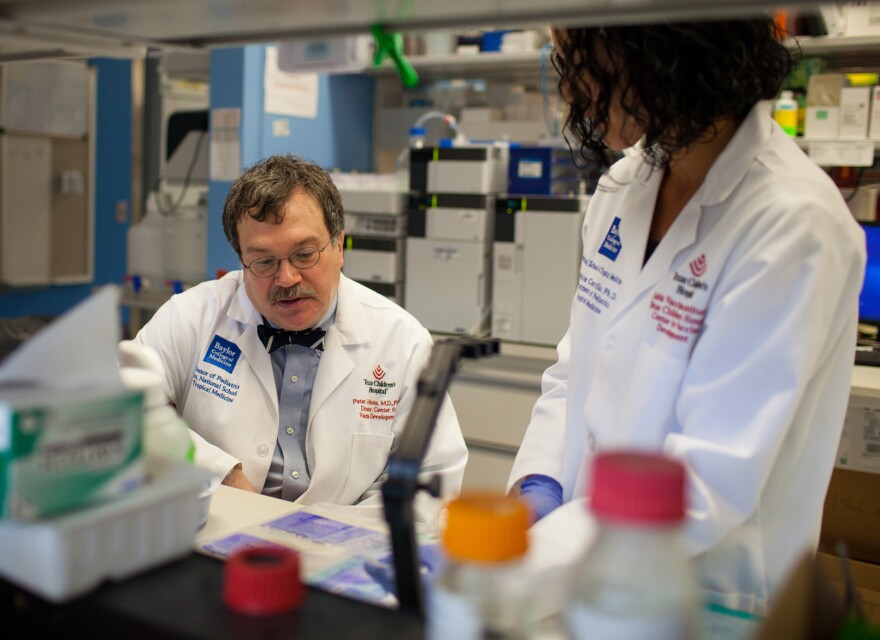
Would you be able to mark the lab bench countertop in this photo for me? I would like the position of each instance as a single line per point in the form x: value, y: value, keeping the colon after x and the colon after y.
x: 184, y: 598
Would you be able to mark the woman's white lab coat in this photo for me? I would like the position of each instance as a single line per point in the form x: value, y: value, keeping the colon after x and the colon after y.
x: 219, y: 375
x: 731, y: 349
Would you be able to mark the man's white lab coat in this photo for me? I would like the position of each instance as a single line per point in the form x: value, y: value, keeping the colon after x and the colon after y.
x: 220, y: 378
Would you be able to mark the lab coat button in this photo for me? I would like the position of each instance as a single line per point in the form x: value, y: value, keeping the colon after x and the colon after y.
x: 591, y: 441
x: 294, y: 378
x: 294, y: 474
x: 610, y: 345
x: 289, y: 431
x: 262, y: 450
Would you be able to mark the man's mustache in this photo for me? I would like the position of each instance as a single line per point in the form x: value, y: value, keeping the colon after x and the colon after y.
x: 284, y: 293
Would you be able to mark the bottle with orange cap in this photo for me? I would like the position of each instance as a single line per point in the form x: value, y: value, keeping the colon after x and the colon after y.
x: 635, y: 581
x: 480, y: 591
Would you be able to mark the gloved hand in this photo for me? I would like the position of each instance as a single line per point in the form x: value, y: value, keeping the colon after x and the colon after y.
x: 139, y: 356
x: 542, y: 493
x: 431, y: 558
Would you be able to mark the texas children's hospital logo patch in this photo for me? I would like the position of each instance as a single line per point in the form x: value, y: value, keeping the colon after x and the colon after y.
x: 376, y: 384
x: 377, y: 405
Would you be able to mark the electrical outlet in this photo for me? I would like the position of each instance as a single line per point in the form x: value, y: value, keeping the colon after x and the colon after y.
x: 121, y: 211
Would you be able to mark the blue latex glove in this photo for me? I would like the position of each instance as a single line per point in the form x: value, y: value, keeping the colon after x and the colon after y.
x: 542, y: 493
x: 431, y: 558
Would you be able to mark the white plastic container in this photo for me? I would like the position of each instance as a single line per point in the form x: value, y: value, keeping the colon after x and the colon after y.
x: 480, y: 591
x: 65, y: 557
x: 145, y: 249
x: 635, y: 581
x: 185, y: 245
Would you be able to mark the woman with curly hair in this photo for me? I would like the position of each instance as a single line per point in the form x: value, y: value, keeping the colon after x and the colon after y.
x: 715, y: 314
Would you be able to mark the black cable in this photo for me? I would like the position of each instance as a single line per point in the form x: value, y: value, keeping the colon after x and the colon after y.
x: 167, y: 213
x: 857, y: 185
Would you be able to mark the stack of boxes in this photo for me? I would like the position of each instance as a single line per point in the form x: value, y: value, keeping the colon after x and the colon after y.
x: 375, y: 232
x: 852, y: 504
x: 449, y: 235
x: 537, y: 250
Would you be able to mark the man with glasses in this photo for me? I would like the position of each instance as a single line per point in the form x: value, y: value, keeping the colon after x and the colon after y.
x: 295, y: 380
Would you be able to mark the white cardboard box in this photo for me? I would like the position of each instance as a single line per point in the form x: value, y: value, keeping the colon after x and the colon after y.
x: 862, y: 20
x: 822, y: 122
x: 855, y: 108
x: 874, y: 129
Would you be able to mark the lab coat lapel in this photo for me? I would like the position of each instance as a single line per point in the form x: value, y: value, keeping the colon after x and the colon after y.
x: 336, y: 361
x: 635, y: 224
x: 243, y: 312
x: 681, y: 235
x: 726, y: 173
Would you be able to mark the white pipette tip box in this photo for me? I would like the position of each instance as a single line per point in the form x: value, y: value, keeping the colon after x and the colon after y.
x: 67, y: 556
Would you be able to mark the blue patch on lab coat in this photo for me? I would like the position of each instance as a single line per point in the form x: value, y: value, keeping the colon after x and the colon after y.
x: 222, y: 353
x: 611, y: 244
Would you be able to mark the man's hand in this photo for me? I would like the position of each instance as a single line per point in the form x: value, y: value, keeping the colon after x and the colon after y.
x: 238, y: 480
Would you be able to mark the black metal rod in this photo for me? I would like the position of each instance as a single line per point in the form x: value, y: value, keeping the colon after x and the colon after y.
x: 399, y: 490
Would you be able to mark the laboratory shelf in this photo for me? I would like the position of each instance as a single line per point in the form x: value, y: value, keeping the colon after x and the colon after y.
x: 830, y: 45
x: 468, y: 64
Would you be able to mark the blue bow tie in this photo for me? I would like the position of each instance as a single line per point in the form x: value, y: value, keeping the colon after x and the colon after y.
x: 273, y: 339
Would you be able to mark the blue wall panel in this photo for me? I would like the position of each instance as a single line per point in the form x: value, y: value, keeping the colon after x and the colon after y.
x: 339, y: 137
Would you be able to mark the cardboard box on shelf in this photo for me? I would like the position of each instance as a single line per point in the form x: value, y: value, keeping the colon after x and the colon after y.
x: 862, y: 19
x: 874, y: 129
x: 823, y: 105
x: 807, y: 607
x: 855, y: 108
x: 865, y: 578
x: 852, y: 515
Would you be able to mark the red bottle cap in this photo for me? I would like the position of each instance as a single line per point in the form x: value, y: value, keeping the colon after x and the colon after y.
x: 638, y: 487
x: 263, y: 580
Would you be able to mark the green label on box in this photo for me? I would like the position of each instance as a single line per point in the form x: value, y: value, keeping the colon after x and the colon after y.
x: 63, y: 455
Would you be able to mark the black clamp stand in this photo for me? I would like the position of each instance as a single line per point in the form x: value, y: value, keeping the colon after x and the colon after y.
x: 399, y: 489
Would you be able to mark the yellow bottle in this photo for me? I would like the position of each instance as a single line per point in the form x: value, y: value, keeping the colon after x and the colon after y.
x: 785, y: 112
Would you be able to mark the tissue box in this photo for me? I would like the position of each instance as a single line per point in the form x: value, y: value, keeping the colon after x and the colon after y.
x: 64, y: 450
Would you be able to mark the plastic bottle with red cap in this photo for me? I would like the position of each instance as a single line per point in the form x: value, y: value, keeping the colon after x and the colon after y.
x: 480, y: 592
x: 636, y: 581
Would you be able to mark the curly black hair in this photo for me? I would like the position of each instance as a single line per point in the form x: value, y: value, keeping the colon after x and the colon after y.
x: 675, y: 79
x: 263, y: 190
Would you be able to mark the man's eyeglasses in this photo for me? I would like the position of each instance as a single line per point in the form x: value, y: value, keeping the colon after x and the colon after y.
x: 302, y: 258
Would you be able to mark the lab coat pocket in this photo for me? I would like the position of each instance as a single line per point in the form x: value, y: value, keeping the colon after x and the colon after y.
x: 648, y: 412
x: 369, y: 456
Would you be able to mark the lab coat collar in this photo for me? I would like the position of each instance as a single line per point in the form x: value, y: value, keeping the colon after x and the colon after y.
x: 726, y: 173
x: 349, y: 320
x: 731, y: 165
x: 348, y: 330
x: 242, y: 310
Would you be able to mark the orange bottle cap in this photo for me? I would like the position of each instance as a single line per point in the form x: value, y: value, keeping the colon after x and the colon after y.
x: 486, y: 527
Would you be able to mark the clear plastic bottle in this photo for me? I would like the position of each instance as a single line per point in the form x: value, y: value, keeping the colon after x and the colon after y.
x: 165, y: 434
x: 480, y: 592
x: 635, y: 581
x: 785, y: 112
